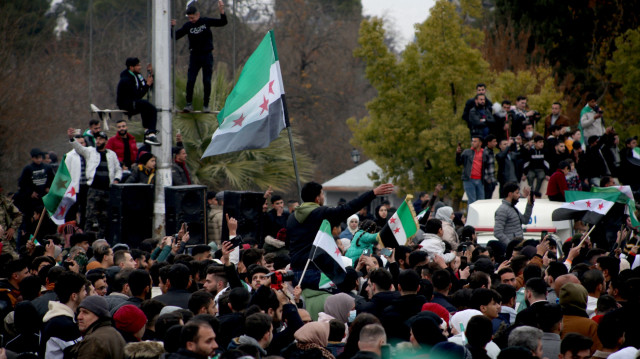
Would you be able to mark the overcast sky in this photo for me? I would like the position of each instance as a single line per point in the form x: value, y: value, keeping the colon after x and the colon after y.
x: 403, y: 14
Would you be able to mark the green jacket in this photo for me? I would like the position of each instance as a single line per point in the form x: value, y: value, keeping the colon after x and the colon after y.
x: 361, y: 240
x: 314, y: 301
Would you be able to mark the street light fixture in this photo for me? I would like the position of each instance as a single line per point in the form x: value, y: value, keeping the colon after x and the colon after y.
x: 355, y: 156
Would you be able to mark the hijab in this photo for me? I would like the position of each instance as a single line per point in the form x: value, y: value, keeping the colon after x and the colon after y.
x: 444, y: 214
x: 353, y: 216
x: 313, y: 332
x: 339, y: 306
x: 314, y: 335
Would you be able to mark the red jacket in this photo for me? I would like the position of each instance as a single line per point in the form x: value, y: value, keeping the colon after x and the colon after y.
x: 116, y: 144
x: 557, y: 184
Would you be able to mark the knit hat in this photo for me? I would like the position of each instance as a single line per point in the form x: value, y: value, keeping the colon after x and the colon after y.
x: 96, y: 305
x: 144, y: 158
x: 528, y: 251
x: 436, y: 308
x: 129, y: 319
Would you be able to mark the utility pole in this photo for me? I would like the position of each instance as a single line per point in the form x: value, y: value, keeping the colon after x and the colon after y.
x: 161, y: 48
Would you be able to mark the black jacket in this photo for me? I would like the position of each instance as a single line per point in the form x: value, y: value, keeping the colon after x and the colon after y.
x: 300, y: 234
x: 394, y: 316
x: 275, y: 223
x: 175, y: 297
x: 438, y: 298
x: 285, y: 337
x: 231, y: 326
x: 199, y: 34
x: 471, y: 103
x: 378, y: 303
x: 130, y: 88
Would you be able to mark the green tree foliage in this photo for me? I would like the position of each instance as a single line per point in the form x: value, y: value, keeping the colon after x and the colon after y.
x: 416, y: 115
x: 538, y: 85
x: 575, y: 37
x: 624, y: 67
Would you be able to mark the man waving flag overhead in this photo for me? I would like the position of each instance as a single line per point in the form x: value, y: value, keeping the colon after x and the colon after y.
x: 255, y: 111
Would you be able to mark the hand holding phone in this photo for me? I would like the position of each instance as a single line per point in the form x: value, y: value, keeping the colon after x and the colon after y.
x: 366, y: 252
x: 235, y: 242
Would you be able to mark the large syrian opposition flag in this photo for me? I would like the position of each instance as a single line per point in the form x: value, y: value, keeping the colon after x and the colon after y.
x: 585, y: 206
x: 625, y: 196
x: 400, y: 227
x: 62, y: 193
x: 255, y: 111
x: 326, y: 255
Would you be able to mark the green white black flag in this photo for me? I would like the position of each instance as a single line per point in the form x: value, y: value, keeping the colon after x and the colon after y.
x: 255, y: 111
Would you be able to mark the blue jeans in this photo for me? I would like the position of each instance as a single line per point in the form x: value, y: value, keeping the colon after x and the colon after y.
x: 474, y: 189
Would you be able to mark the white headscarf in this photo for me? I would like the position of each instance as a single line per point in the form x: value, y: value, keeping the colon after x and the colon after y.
x: 353, y: 216
x: 462, y: 317
x: 444, y: 214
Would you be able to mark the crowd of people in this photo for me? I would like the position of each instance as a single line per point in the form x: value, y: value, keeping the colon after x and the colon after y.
x: 67, y: 292
x: 71, y: 293
x: 571, y: 154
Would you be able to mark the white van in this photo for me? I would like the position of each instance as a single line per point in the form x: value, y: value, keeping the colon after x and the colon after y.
x: 481, y: 216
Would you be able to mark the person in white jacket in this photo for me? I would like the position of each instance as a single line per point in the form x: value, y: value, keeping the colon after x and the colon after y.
x: 433, y: 243
x: 102, y: 170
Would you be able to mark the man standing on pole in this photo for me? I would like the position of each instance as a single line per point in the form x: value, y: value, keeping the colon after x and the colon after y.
x: 198, y: 30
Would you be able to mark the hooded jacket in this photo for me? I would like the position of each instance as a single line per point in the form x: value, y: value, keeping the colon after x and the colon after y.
x: 305, y: 223
x: 573, y: 300
x: 59, y: 331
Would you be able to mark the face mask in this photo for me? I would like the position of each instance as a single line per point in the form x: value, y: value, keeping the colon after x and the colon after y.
x: 529, y: 134
x: 352, y: 316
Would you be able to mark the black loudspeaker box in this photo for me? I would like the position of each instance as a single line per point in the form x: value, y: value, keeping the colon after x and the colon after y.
x: 187, y: 204
x: 246, y: 207
x: 131, y: 214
